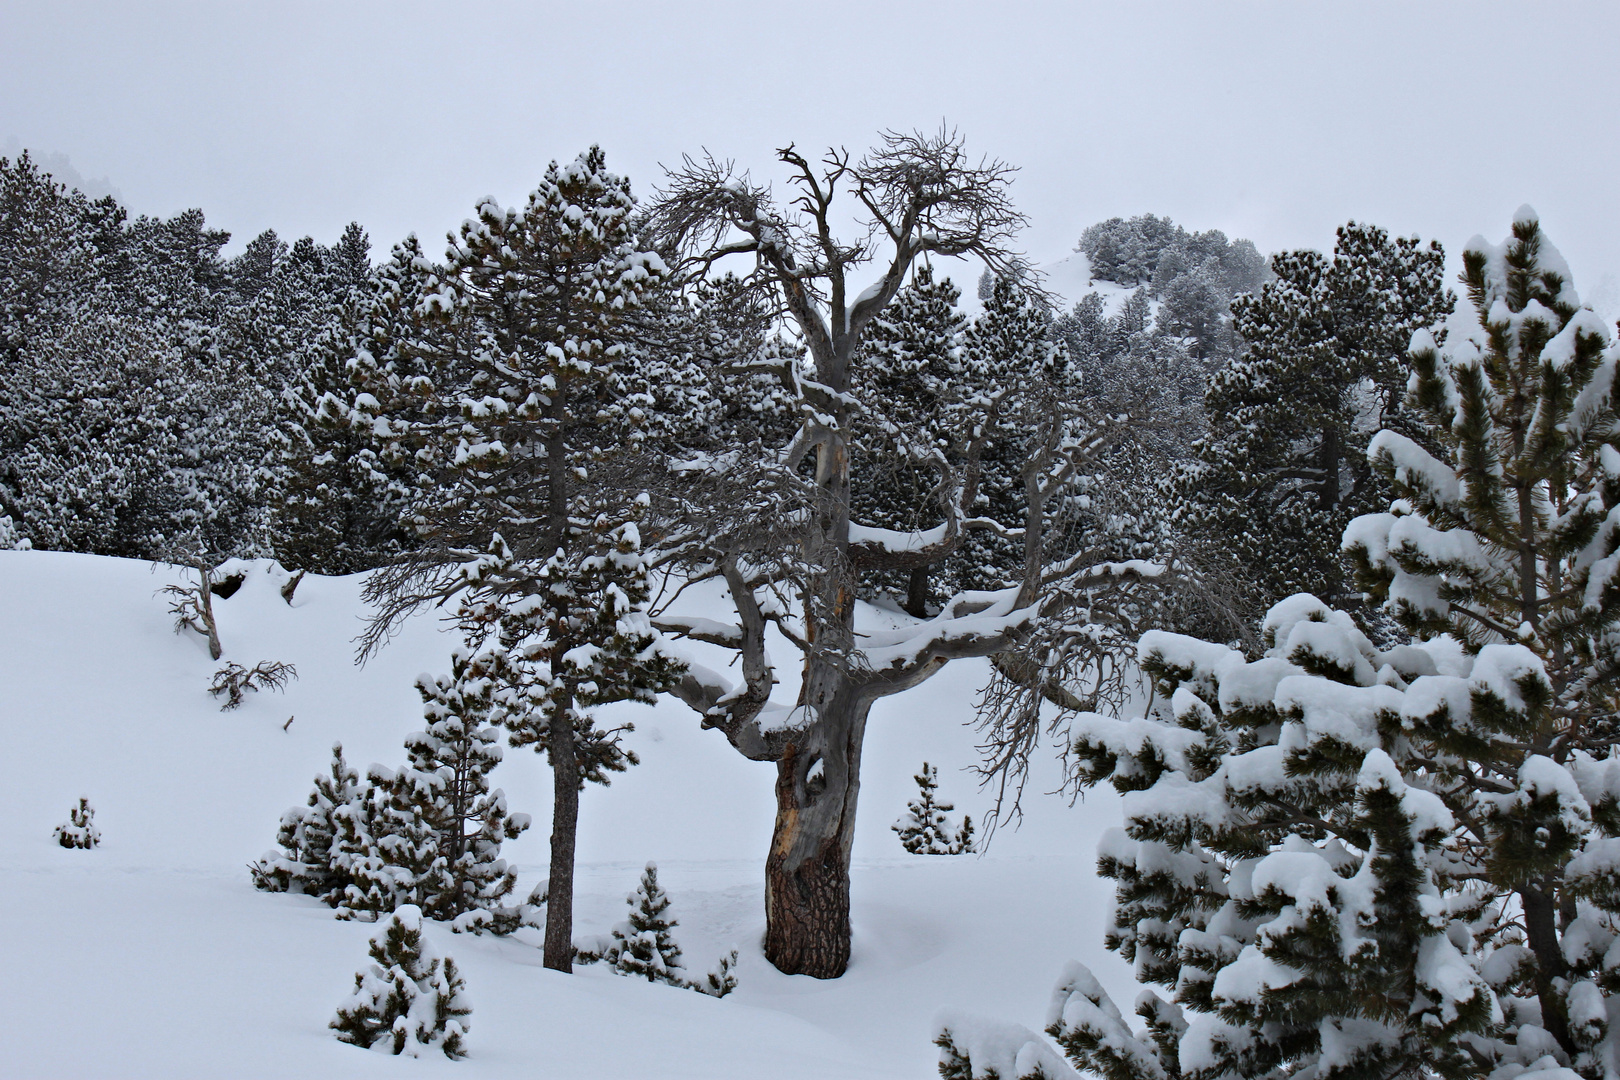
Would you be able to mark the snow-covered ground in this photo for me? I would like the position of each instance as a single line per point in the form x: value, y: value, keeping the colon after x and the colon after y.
x: 1070, y: 278
x: 153, y: 955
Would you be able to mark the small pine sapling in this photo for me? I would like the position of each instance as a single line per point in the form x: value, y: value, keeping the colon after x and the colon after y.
x: 305, y: 863
x: 643, y: 946
x: 232, y: 680
x: 924, y: 829
x: 721, y: 981
x: 79, y: 831
x: 408, y: 1000
x: 363, y: 824
x: 446, y: 784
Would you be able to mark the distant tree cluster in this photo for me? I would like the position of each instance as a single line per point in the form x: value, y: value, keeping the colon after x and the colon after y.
x: 152, y: 400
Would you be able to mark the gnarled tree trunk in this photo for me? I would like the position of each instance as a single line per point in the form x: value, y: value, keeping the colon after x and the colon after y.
x: 818, y: 780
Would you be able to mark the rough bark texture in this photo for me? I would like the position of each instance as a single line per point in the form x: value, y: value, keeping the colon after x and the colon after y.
x: 559, y: 953
x: 807, y: 928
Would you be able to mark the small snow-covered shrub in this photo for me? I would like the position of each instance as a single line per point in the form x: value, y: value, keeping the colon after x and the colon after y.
x: 305, y: 862
x: 233, y: 680
x: 643, y: 946
x: 924, y: 829
x: 408, y: 1000
x: 79, y: 830
x: 10, y: 538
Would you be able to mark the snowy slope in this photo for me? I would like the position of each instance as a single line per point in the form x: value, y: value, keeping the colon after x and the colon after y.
x: 1071, y: 280
x: 154, y: 956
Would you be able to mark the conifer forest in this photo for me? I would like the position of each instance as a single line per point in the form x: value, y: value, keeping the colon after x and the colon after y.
x: 778, y: 615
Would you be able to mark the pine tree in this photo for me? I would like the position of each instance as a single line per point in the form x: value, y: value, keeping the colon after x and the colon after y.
x: 908, y: 378
x: 1281, y: 471
x: 924, y: 829
x: 446, y: 784
x: 504, y: 386
x: 306, y: 862
x: 367, y: 853
x: 408, y: 1000
x: 10, y: 538
x: 643, y: 946
x: 337, y: 505
x: 722, y: 980
x: 1356, y: 862
x: 1505, y: 539
x: 1009, y: 343
x: 79, y: 830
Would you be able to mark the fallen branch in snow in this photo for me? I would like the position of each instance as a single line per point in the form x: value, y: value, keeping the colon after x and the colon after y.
x: 231, y: 680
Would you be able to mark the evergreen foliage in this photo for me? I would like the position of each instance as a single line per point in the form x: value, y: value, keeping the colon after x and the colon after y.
x: 447, y: 785
x: 644, y: 946
x: 336, y: 505
x: 10, y: 538
x: 1352, y: 862
x: 79, y: 830
x: 429, y: 834
x: 924, y: 828
x: 408, y: 1000
x: 1157, y: 253
x: 501, y: 377
x: 1281, y: 471
x: 910, y: 379
x: 306, y: 862
x: 143, y: 372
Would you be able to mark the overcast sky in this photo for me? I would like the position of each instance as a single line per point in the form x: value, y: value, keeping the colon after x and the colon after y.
x: 1273, y: 121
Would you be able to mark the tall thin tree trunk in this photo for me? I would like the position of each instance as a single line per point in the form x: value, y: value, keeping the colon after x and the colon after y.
x: 559, y: 950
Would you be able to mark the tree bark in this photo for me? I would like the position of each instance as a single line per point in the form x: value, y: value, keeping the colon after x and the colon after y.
x: 559, y: 949
x: 916, y: 604
x: 1332, y: 452
x: 807, y: 930
x: 1541, y: 935
x: 205, y: 598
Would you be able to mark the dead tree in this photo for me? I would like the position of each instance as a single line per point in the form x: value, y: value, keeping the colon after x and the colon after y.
x: 776, y: 525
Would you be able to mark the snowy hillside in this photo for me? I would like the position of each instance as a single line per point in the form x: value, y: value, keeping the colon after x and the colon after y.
x: 1071, y: 279
x: 153, y: 955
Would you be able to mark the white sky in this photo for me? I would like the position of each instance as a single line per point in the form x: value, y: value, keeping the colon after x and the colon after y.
x: 1274, y: 121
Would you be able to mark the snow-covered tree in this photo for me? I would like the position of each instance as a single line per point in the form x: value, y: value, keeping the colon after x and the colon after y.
x: 644, y: 946
x: 775, y: 524
x: 428, y: 834
x: 504, y: 386
x: 1282, y: 470
x: 909, y: 377
x: 337, y: 505
x: 924, y: 828
x: 79, y: 830
x: 305, y: 864
x: 383, y: 849
x: 408, y: 1000
x: 447, y: 784
x: 10, y: 538
x: 1353, y: 862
